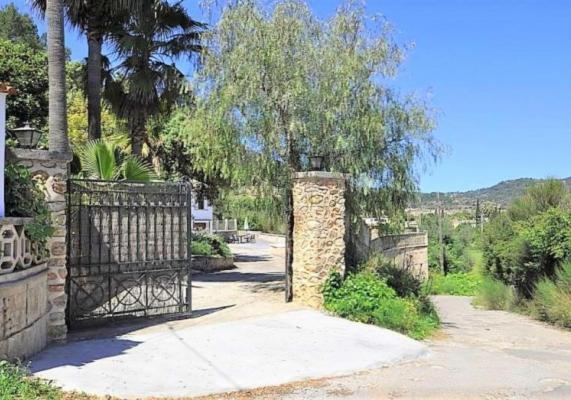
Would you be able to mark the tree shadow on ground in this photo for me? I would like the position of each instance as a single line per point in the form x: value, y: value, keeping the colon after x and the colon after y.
x: 251, y: 258
x: 80, y: 353
x: 237, y: 276
x: 272, y: 287
x: 118, y: 328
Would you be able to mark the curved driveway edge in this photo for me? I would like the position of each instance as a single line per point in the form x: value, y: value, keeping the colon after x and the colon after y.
x: 243, y: 354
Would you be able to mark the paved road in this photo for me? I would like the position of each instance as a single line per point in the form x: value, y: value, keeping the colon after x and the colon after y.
x: 477, y: 355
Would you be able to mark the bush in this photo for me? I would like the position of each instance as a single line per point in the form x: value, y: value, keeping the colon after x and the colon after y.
x: 15, y: 384
x: 457, y: 284
x: 24, y: 198
x: 495, y: 295
x: 401, y: 278
x: 210, y: 245
x: 201, y: 248
x: 552, y: 299
x: 532, y: 239
x: 365, y: 297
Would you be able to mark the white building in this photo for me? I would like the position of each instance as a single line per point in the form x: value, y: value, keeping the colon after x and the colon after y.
x: 202, y: 213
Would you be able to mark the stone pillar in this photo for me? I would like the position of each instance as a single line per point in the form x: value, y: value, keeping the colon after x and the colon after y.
x: 319, y: 233
x: 51, y: 170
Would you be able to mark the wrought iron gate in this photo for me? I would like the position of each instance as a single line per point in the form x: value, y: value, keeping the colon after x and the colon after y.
x: 128, y: 250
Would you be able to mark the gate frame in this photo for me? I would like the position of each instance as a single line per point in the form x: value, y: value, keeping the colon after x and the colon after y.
x: 110, y: 319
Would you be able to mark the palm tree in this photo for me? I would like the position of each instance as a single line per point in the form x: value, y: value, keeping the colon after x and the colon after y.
x: 56, y: 74
x: 105, y: 161
x: 148, y: 82
x: 96, y: 19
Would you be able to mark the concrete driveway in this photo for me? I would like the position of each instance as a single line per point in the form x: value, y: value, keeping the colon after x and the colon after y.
x: 248, y: 353
x: 479, y: 354
x: 242, y: 336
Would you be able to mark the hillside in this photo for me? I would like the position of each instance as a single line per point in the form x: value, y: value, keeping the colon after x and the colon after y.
x: 501, y: 193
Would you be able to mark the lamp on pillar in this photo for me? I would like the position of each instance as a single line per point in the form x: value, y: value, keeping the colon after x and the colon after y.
x: 316, y: 162
x: 27, y: 136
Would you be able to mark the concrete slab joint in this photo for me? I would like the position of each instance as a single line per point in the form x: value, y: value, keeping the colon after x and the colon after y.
x: 319, y: 232
x: 51, y: 170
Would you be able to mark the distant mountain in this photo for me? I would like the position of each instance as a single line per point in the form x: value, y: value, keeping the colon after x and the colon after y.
x: 502, y: 194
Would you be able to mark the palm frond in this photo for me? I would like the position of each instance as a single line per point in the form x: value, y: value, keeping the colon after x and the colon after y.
x: 99, y: 160
x: 134, y: 168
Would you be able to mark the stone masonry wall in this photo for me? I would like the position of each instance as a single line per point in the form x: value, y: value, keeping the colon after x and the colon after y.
x: 51, y: 170
x: 319, y: 233
x: 23, y: 312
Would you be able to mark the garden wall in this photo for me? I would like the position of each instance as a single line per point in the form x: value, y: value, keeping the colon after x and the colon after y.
x: 212, y: 264
x: 23, y: 312
x: 408, y: 249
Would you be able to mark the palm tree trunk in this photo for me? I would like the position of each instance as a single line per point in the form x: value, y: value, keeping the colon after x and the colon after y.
x: 57, y: 113
x: 138, y: 135
x: 94, y: 42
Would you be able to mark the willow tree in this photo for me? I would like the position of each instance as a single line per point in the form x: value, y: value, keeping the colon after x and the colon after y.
x: 283, y: 85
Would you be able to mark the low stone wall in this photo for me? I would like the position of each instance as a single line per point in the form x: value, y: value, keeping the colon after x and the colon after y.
x: 23, y: 312
x: 212, y: 264
x: 407, y: 250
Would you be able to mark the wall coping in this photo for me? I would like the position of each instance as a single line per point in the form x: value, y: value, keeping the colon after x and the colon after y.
x: 15, y: 220
x: 23, y: 274
x: 320, y: 175
x: 37, y: 155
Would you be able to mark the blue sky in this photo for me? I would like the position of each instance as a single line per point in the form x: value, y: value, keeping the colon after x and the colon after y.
x: 498, y: 72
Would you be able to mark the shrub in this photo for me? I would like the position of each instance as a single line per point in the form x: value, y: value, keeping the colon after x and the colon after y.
x: 456, y: 284
x: 552, y: 299
x: 365, y: 297
x: 201, y: 248
x: 401, y: 278
x: 210, y: 245
x: 24, y: 198
x: 495, y: 295
x: 15, y: 384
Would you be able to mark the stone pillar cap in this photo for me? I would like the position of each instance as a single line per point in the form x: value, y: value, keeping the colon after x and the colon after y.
x: 320, y: 175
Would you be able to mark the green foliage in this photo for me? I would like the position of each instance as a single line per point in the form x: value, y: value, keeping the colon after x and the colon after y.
x: 26, y: 69
x: 208, y: 244
x: 19, y: 28
x: 552, y: 298
x: 105, y: 161
x: 24, y: 198
x: 201, y: 248
x: 495, y: 295
x: 365, y: 297
x: 456, y: 284
x: 521, y: 253
x: 16, y: 384
x: 147, y: 82
x: 460, y: 244
x: 401, y: 278
x: 539, y: 198
x: 279, y: 85
x: 263, y: 212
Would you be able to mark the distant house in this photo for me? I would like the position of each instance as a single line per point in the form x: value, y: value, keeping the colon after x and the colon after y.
x: 202, y: 213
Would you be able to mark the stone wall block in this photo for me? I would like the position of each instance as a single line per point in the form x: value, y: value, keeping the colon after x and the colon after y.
x: 50, y: 170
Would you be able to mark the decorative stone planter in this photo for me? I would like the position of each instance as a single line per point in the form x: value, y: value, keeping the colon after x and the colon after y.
x: 212, y: 264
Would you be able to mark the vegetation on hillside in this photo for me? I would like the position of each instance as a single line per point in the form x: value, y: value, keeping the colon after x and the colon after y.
x: 499, y: 195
